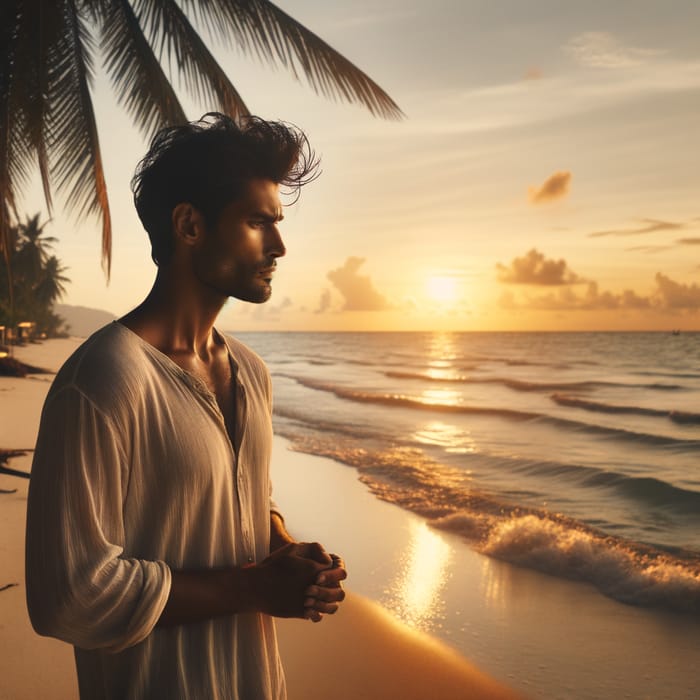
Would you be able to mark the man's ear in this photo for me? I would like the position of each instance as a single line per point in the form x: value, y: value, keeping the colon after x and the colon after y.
x: 188, y: 223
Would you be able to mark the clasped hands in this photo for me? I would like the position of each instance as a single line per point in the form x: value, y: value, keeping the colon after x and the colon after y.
x: 303, y: 580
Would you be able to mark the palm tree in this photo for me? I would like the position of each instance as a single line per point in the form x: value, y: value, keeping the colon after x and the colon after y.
x: 47, y: 53
x: 32, y: 249
x: 51, y: 286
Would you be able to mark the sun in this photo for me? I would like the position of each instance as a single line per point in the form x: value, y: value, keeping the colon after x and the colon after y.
x: 442, y: 288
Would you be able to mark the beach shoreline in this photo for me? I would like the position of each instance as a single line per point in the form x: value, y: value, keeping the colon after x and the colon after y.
x: 362, y: 652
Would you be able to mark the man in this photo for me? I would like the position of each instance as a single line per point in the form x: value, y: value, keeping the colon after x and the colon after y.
x: 152, y: 543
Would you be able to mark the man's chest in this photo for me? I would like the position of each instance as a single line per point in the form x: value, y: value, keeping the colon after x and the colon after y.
x: 218, y: 376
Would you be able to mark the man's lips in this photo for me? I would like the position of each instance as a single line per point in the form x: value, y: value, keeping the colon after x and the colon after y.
x: 267, y: 272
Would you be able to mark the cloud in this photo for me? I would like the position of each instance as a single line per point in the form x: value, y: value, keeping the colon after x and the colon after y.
x: 591, y: 300
x: 603, y: 50
x: 557, y: 95
x: 668, y: 295
x: 554, y: 187
x: 649, y: 248
x: 358, y: 290
x: 689, y: 241
x: 534, y: 268
x: 649, y: 226
x: 324, y: 303
x: 676, y: 295
x: 533, y: 74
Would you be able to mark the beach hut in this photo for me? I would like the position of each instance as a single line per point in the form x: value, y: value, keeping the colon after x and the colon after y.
x: 25, y: 331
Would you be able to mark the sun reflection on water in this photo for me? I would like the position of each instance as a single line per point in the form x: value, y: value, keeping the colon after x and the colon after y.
x: 445, y: 397
x: 423, y: 571
x: 442, y: 348
x: 452, y: 438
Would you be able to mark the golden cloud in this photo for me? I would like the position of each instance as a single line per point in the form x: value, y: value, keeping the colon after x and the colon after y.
x: 535, y: 268
x: 554, y: 187
x: 668, y: 295
x: 357, y: 290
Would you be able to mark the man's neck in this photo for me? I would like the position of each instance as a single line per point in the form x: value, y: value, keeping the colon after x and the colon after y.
x: 175, y: 318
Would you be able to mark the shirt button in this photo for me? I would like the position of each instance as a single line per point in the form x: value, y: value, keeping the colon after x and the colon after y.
x: 250, y: 559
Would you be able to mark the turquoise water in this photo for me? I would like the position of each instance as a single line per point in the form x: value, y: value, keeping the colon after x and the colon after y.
x: 576, y: 454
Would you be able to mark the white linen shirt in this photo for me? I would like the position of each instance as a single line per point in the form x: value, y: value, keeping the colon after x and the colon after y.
x: 134, y: 474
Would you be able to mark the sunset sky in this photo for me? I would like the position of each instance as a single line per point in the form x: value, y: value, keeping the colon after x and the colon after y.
x: 546, y: 175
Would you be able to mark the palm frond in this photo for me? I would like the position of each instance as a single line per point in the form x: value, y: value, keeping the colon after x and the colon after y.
x: 77, y: 162
x: 13, y: 158
x: 39, y: 28
x: 140, y: 82
x: 29, y: 31
x: 203, y: 77
x: 262, y: 27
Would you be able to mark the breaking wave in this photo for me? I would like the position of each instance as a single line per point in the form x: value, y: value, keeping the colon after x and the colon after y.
x: 552, y: 543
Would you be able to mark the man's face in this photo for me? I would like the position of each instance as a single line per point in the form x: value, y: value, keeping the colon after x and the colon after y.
x: 238, y: 255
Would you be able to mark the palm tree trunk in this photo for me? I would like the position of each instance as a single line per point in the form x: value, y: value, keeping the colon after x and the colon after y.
x: 7, y: 254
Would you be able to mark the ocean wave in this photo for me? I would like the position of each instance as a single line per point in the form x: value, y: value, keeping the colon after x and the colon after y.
x: 449, y: 378
x: 404, y: 401
x: 523, y: 385
x: 671, y: 375
x: 558, y: 545
x: 684, y: 417
x: 616, y: 568
x: 648, y: 490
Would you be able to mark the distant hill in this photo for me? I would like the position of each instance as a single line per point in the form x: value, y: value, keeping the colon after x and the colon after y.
x: 81, y: 320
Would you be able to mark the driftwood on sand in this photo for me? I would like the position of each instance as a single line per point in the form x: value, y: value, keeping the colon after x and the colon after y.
x: 5, y: 456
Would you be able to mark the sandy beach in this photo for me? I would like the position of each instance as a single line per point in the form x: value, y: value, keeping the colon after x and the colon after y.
x: 363, y: 652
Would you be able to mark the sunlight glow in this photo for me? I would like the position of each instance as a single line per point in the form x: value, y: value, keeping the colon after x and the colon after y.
x: 442, y: 288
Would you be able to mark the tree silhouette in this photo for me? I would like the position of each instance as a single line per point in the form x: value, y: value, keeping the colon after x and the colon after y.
x: 47, y: 55
x: 37, y: 282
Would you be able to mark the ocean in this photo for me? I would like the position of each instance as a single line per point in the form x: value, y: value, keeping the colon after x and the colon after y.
x: 574, y: 454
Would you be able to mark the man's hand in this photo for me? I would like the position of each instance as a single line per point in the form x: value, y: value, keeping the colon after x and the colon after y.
x: 282, y: 579
x: 326, y: 593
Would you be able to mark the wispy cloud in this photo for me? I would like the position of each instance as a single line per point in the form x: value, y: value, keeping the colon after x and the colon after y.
x: 651, y: 249
x: 534, y: 268
x: 649, y: 226
x: 693, y: 240
x: 632, y: 73
x: 556, y: 186
x: 357, y: 290
x: 604, y: 50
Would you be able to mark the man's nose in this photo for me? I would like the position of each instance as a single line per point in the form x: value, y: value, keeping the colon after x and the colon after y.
x: 275, y: 244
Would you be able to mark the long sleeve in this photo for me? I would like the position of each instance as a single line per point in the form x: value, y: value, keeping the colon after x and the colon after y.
x: 80, y: 586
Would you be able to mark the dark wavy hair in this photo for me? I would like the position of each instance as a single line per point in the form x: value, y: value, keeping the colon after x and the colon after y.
x: 207, y: 164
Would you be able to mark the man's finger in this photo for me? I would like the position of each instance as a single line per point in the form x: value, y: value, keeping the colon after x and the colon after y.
x: 315, y: 551
x: 331, y: 577
x: 325, y: 608
x: 324, y: 594
x: 313, y: 615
